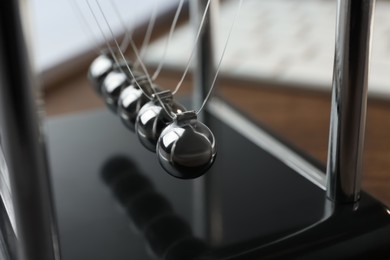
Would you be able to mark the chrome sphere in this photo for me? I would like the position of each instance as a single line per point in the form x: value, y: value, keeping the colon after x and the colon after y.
x: 153, y: 118
x: 132, y: 99
x: 99, y: 69
x: 112, y: 86
x: 114, y: 83
x: 186, y: 148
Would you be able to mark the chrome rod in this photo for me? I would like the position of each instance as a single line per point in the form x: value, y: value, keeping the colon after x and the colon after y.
x: 349, y: 99
x: 204, y: 69
x: 23, y: 141
x: 207, y: 211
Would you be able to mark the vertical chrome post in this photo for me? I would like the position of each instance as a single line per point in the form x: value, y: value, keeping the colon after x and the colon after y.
x: 207, y: 218
x: 23, y: 141
x: 204, y: 69
x: 349, y: 99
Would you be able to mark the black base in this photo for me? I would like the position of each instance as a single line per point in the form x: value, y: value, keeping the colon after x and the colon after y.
x: 115, y: 202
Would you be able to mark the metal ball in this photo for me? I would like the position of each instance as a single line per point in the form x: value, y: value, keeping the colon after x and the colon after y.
x: 132, y: 99
x: 153, y: 118
x: 99, y: 69
x: 186, y: 148
x: 114, y: 83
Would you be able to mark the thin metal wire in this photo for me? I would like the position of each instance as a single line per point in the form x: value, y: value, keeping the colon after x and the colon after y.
x: 138, y: 55
x: 103, y: 34
x: 128, y: 33
x: 220, y: 60
x: 132, y: 44
x: 148, y: 34
x: 193, y: 49
x: 168, y: 42
x: 87, y: 28
x: 150, y: 80
x: 112, y: 51
x: 129, y: 39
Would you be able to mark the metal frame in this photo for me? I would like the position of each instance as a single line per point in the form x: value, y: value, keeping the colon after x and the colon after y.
x: 24, y: 142
x: 207, y: 218
x: 349, y: 99
x: 25, y: 147
x: 349, y: 96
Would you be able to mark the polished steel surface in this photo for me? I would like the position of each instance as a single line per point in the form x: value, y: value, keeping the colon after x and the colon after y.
x: 131, y: 100
x: 153, y: 118
x: 186, y: 148
x: 112, y: 86
x: 349, y: 99
x: 99, y: 69
x: 23, y: 140
x: 115, y: 81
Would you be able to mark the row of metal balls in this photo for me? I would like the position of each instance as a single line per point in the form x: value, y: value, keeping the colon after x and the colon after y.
x: 185, y: 147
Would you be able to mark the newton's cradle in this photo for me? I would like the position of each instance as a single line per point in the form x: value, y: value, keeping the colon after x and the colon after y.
x: 97, y: 193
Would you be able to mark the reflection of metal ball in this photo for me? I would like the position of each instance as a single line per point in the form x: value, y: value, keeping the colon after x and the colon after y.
x: 165, y: 232
x: 187, y: 248
x: 153, y: 118
x: 147, y: 207
x: 131, y: 100
x: 113, y: 84
x: 128, y: 186
x: 99, y: 69
x: 186, y: 149
x: 116, y: 167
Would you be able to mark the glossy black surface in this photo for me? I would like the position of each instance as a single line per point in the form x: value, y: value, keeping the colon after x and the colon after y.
x: 106, y: 182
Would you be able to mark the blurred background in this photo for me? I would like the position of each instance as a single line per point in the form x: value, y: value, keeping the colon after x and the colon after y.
x: 277, y: 68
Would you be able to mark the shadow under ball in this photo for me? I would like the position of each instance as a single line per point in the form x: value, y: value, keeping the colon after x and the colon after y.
x: 114, y: 82
x: 153, y: 118
x: 186, y: 148
x: 99, y: 69
x: 132, y: 99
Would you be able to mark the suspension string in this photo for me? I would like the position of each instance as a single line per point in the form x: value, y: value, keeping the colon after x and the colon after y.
x: 128, y: 33
x: 193, y: 49
x: 112, y: 51
x: 150, y: 80
x: 132, y: 44
x: 168, y: 42
x: 128, y: 39
x: 148, y: 34
x: 87, y: 28
x: 103, y: 34
x: 221, y: 58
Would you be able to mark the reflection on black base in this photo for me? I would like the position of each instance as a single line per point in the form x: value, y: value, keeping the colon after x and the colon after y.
x: 168, y: 236
x: 264, y: 208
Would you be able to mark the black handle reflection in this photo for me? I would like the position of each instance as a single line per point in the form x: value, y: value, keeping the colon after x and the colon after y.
x: 168, y: 236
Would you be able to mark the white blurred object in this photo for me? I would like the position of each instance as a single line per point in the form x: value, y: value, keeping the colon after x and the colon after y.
x: 286, y: 42
x: 60, y: 36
